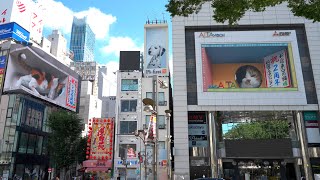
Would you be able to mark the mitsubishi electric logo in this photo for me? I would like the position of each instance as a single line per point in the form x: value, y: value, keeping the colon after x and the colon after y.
x: 281, y: 33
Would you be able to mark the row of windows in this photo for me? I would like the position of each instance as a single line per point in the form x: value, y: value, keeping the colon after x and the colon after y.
x: 32, y: 144
x: 129, y: 127
x: 131, y: 105
x: 130, y: 150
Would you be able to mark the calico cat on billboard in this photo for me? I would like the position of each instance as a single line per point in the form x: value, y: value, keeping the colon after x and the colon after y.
x: 27, y: 72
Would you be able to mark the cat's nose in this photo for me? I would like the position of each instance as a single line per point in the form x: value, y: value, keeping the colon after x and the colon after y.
x: 249, y: 80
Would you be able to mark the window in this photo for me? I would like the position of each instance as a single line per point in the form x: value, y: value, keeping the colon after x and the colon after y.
x: 127, y: 150
x: 23, y: 142
x: 39, y: 145
x: 128, y: 127
x: 129, y: 85
x: 161, y: 145
x: 161, y: 98
x: 128, y: 105
x: 31, y: 143
x: 161, y: 121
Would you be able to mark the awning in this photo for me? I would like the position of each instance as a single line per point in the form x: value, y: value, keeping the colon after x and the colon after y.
x: 97, y: 169
x: 97, y: 164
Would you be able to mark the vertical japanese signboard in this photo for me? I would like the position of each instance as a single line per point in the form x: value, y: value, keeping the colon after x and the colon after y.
x: 151, y: 133
x: 100, y: 142
x: 72, y: 92
x: 276, y: 70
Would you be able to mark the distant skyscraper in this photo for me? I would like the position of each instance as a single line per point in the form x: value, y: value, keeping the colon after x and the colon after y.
x: 82, y: 40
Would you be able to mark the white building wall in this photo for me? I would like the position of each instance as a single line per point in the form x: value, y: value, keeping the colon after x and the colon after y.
x: 59, y: 47
x: 133, y: 116
x: 279, y: 14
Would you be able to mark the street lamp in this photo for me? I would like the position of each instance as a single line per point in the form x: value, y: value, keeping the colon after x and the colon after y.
x: 142, y: 135
x: 151, y: 106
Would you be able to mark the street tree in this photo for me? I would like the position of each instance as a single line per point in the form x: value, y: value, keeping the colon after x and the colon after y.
x: 65, y: 138
x: 269, y: 129
x: 231, y: 11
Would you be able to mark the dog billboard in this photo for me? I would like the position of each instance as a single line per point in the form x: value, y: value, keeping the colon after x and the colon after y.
x: 31, y: 72
x: 156, y: 50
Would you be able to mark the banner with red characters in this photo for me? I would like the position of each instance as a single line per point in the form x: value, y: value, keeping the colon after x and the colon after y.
x: 100, y: 140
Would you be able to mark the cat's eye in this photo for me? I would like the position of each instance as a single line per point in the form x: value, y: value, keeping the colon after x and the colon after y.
x: 253, y: 75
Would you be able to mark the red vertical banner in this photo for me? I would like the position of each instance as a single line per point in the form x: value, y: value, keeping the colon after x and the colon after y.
x: 100, y: 139
x: 151, y: 133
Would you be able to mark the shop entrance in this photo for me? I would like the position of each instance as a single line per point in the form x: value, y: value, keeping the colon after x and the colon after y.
x: 259, y: 170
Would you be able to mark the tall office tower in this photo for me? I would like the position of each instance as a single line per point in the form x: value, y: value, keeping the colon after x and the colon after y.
x: 82, y: 40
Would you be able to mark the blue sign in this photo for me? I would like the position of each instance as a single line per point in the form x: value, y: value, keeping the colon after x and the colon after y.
x: 15, y: 31
x: 2, y: 62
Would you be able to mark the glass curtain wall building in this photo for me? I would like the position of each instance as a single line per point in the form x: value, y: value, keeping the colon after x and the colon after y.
x: 26, y: 137
x: 82, y: 40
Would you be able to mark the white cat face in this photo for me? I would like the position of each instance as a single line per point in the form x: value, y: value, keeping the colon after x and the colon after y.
x: 250, y: 81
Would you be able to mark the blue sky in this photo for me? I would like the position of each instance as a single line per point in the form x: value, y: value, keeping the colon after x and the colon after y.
x: 118, y: 24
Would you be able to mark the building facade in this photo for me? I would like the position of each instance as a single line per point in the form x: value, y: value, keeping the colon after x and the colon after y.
x: 88, y: 72
x: 133, y: 155
x: 26, y: 107
x: 59, y: 47
x: 228, y: 79
x: 82, y: 40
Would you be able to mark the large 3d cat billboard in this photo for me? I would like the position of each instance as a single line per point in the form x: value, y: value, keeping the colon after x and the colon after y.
x: 36, y: 76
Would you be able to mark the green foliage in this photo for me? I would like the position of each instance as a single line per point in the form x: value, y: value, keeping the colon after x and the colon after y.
x: 65, y: 138
x: 232, y: 11
x: 272, y: 129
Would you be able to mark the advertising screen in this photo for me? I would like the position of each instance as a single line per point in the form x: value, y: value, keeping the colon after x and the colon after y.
x: 247, y: 67
x: 27, y: 72
x: 237, y: 67
x: 101, y: 139
x: 156, y: 50
x: 15, y: 31
x: 27, y: 13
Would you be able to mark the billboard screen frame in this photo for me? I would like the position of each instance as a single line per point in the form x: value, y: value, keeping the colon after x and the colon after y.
x: 156, y: 56
x: 38, y: 60
x: 294, y: 96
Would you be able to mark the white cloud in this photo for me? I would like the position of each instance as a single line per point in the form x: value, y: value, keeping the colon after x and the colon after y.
x: 117, y: 44
x: 58, y: 16
x: 98, y: 21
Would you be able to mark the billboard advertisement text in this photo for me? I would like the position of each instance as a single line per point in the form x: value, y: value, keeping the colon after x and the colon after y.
x: 156, y: 50
x: 27, y: 13
x: 101, y: 139
x: 14, y: 31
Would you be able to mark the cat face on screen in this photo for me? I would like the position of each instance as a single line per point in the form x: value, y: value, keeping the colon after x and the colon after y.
x: 248, y: 77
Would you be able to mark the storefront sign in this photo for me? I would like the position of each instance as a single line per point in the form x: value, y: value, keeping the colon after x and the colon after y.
x: 15, y: 31
x: 197, y: 129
